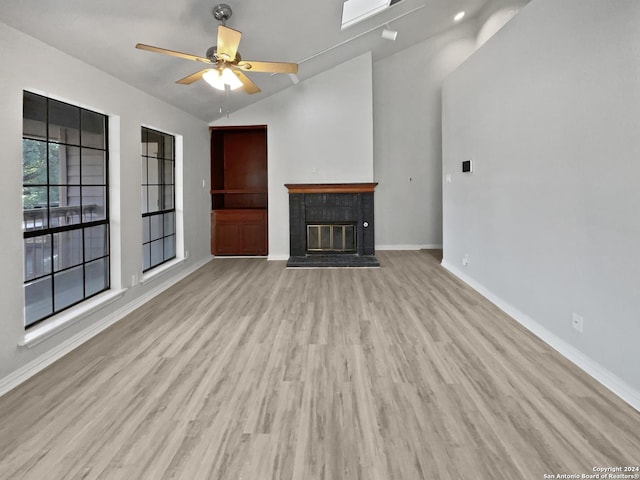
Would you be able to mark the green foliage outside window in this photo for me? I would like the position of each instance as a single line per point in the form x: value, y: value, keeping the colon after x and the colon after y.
x: 34, y: 168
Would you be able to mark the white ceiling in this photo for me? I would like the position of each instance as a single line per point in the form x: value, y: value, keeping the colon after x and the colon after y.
x: 103, y: 33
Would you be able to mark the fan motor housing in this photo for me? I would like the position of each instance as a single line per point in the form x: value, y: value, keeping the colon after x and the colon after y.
x: 213, y: 57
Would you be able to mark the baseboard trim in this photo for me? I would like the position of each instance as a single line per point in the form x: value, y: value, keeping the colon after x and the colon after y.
x: 25, y: 372
x: 277, y: 257
x: 594, y: 369
x: 409, y: 247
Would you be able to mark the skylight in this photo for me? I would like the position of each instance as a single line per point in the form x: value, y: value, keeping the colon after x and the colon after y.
x: 355, y: 11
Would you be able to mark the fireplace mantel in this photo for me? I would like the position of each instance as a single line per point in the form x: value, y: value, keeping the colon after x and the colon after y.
x: 345, y: 206
x: 331, y: 187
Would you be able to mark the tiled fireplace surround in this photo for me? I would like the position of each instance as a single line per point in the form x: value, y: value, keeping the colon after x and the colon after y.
x: 325, y: 204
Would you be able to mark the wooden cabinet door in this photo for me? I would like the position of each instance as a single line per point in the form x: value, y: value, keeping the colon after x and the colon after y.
x: 227, y: 238
x: 239, y: 232
x: 252, y: 238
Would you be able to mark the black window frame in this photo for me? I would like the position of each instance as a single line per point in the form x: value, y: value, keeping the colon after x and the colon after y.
x: 164, y: 209
x: 50, y: 231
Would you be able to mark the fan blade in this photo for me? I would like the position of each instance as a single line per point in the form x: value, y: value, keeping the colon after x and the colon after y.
x: 228, y: 41
x: 194, y: 77
x: 269, y: 67
x: 248, y: 85
x: 173, y: 53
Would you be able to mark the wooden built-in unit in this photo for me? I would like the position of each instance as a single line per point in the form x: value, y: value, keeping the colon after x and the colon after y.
x: 239, y: 190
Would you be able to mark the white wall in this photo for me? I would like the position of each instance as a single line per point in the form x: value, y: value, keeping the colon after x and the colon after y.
x: 319, y: 131
x: 549, y: 112
x: 31, y: 65
x: 407, y: 120
x: 495, y: 16
x: 408, y: 138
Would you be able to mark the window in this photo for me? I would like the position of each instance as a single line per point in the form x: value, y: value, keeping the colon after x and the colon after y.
x: 158, y: 198
x: 65, y: 206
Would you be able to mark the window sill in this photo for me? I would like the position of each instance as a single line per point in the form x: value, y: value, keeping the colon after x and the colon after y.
x: 161, y: 270
x: 56, y: 324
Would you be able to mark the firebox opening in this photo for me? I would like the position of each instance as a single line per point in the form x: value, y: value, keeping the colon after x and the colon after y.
x: 331, y: 238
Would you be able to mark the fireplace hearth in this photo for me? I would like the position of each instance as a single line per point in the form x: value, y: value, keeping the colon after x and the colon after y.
x: 331, y: 225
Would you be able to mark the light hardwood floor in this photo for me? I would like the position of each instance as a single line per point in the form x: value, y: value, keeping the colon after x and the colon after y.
x: 247, y: 370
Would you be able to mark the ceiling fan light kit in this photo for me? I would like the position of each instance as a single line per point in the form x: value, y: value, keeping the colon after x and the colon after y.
x: 218, y: 79
x: 227, y: 65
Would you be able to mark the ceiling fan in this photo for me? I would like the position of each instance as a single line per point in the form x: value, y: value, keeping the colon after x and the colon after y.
x: 227, y: 67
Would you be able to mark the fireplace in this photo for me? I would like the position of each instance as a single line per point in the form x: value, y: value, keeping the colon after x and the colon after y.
x: 331, y: 225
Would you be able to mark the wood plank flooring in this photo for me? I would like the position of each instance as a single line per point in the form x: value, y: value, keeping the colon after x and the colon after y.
x: 247, y: 370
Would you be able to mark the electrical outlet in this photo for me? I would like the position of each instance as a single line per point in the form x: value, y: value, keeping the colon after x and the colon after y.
x: 577, y: 322
x: 465, y: 260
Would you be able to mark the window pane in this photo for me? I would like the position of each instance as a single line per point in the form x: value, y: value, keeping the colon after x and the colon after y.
x: 93, y: 203
x: 154, y: 141
x: 156, y: 227
x: 34, y: 162
x: 157, y: 252
x: 168, y: 147
x: 145, y: 199
x: 37, y: 257
x: 38, y: 300
x: 34, y: 197
x: 168, y: 172
x: 169, y: 223
x: 145, y: 135
x: 34, y: 112
x: 64, y: 206
x: 145, y: 229
x: 93, y: 167
x: 67, y: 249
x: 154, y: 199
x: 93, y: 129
x: 64, y: 122
x: 146, y: 256
x: 145, y: 177
x: 34, y: 219
x: 96, y: 243
x: 153, y: 171
x: 168, y: 197
x: 68, y: 288
x: 97, y: 276
x: 64, y: 164
x: 169, y: 247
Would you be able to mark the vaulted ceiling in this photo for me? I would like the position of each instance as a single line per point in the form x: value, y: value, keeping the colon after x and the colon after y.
x: 104, y: 33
